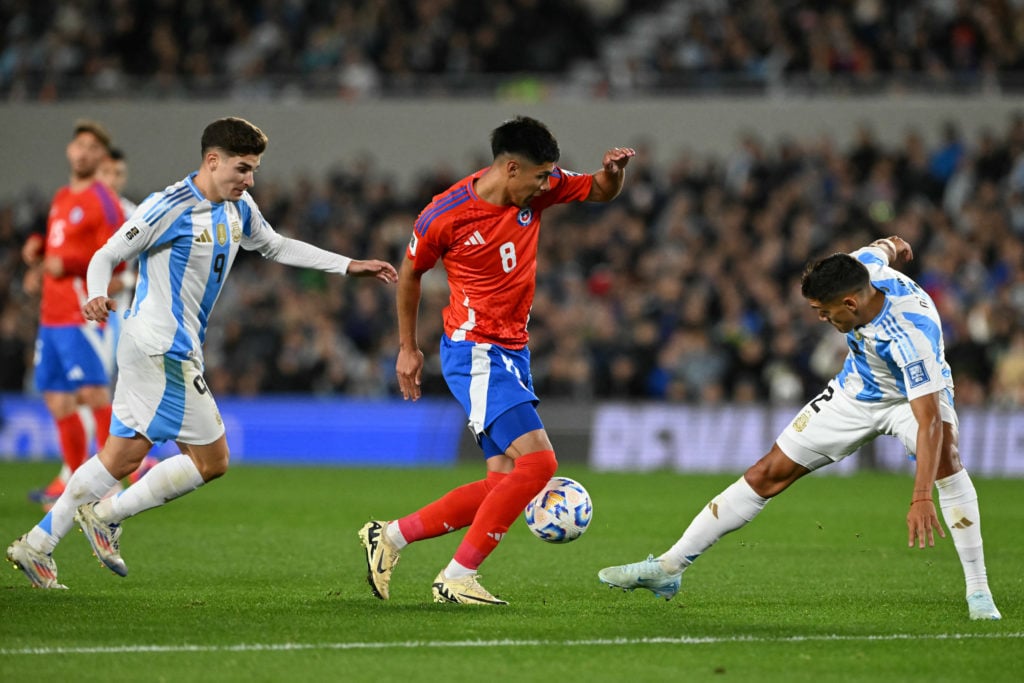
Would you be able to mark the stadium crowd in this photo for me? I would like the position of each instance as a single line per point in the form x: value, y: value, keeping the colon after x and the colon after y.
x: 52, y: 49
x: 683, y: 289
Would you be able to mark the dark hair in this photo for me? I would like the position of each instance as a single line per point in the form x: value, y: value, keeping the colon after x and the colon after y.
x: 117, y: 154
x: 526, y: 137
x: 94, y: 127
x: 833, y: 277
x: 235, y: 136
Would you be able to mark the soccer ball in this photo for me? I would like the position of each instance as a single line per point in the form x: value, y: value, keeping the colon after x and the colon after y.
x: 561, y: 512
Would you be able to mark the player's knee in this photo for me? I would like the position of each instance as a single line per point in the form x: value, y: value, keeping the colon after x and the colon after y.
x: 540, y: 465
x: 773, y: 473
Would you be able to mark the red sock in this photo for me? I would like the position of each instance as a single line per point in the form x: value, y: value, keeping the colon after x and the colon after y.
x: 502, y: 505
x: 102, y: 418
x: 71, y: 433
x: 454, y: 510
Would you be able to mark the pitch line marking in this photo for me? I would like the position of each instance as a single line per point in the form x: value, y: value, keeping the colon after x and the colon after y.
x: 428, y: 644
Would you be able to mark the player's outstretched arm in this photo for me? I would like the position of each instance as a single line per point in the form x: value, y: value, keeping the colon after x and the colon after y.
x: 381, y: 270
x: 608, y: 181
x: 922, y: 520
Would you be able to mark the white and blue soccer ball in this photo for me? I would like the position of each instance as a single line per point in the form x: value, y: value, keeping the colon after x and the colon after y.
x: 561, y: 512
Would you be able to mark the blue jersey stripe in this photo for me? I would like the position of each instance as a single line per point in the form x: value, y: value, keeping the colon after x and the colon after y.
x: 929, y: 329
x: 894, y: 286
x: 142, y: 287
x: 215, y: 278
x: 885, y: 354
x: 160, y: 209
x: 455, y: 198
x: 171, y: 411
x: 111, y: 207
x: 870, y: 390
x: 160, y: 200
x: 870, y: 258
x: 180, y: 251
x: 900, y: 337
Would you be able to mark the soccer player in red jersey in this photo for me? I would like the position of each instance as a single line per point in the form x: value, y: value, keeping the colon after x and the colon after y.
x: 484, y: 229
x: 72, y: 360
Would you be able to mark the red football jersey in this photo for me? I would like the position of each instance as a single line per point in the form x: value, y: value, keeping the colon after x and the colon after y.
x: 490, y: 255
x: 78, y: 225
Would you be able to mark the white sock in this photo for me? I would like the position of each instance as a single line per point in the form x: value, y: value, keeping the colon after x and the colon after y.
x: 88, y: 483
x: 395, y: 536
x: 731, y: 509
x: 454, y: 570
x: 170, y: 479
x: 958, y: 500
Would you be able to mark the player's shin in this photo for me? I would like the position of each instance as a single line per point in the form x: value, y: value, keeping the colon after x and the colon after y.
x: 89, y: 482
x: 728, y: 511
x: 502, y: 505
x: 452, y: 511
x: 170, y: 479
x: 958, y: 501
x: 73, y: 442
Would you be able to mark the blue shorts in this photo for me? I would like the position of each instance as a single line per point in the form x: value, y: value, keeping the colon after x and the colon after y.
x: 72, y: 356
x: 495, y: 388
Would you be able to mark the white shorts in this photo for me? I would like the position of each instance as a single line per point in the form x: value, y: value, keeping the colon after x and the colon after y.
x: 834, y: 424
x: 162, y: 398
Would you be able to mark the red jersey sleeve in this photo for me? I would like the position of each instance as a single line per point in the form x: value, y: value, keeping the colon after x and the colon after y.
x: 432, y: 231
x: 566, y: 186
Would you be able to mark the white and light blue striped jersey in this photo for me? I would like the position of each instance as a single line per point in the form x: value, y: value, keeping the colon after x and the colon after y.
x: 900, y: 354
x: 186, y: 245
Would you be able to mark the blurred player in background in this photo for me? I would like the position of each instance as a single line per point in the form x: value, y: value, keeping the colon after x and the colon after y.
x: 72, y: 359
x: 895, y: 381
x: 186, y: 237
x: 113, y: 172
x: 484, y: 229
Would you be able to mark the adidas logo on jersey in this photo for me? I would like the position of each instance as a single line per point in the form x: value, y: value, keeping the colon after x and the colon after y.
x: 475, y: 238
x: 204, y: 238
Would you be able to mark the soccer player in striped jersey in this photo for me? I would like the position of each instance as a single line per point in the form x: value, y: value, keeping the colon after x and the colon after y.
x: 72, y: 359
x: 484, y: 229
x: 895, y: 381
x: 186, y: 239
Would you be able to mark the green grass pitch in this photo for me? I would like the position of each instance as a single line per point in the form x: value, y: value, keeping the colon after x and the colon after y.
x: 260, y: 577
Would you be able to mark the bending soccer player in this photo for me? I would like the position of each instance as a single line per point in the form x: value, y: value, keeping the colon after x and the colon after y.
x: 484, y: 229
x: 895, y: 381
x: 186, y: 239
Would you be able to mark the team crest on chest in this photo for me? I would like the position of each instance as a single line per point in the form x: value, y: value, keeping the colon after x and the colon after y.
x: 222, y: 234
x: 76, y: 215
x: 525, y: 217
x: 236, y: 231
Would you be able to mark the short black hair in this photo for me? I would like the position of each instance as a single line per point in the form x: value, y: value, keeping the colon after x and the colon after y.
x: 526, y: 137
x: 235, y: 136
x: 117, y: 154
x: 833, y: 277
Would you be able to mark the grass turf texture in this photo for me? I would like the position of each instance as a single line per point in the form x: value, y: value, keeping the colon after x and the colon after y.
x: 260, y: 577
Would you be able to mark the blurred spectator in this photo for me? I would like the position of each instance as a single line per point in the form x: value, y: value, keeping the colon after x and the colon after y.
x: 52, y: 49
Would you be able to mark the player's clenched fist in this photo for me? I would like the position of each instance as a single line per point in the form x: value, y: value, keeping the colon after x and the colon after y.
x: 98, y: 309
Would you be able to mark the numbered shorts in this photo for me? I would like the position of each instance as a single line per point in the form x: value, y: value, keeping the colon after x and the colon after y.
x: 495, y: 388
x: 833, y: 425
x: 162, y: 398
x: 68, y: 357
